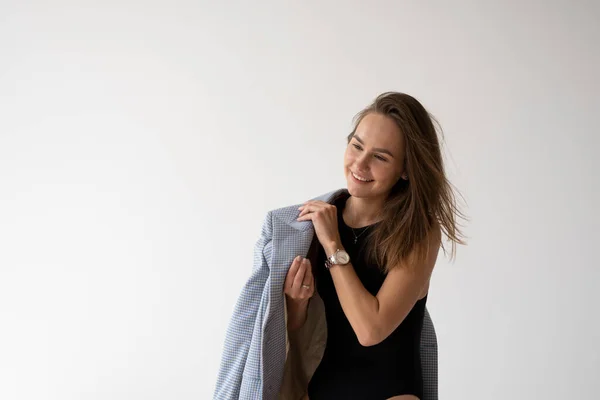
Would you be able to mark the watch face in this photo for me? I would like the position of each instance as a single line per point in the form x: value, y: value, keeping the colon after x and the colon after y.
x: 342, y: 257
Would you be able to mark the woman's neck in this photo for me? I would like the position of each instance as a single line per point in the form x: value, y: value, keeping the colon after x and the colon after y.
x: 360, y: 212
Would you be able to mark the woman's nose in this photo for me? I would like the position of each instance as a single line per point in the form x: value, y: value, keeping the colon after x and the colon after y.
x: 362, y: 162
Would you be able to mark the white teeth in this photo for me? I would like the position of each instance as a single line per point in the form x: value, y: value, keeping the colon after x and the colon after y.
x: 361, y: 179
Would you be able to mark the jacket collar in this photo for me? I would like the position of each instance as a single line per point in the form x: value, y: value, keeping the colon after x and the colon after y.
x: 289, y: 214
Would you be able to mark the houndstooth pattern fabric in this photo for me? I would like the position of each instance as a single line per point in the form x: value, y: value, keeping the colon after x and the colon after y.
x: 429, y: 358
x: 239, y: 374
x: 254, y: 349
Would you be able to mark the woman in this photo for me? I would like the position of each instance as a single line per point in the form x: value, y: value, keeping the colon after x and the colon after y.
x: 377, y: 250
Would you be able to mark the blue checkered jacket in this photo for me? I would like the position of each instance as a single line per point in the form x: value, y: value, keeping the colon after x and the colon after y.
x: 260, y: 359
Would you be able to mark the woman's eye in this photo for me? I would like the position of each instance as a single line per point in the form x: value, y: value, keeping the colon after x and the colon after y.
x: 359, y: 148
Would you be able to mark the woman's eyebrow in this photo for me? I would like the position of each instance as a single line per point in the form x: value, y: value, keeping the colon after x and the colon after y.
x: 379, y: 150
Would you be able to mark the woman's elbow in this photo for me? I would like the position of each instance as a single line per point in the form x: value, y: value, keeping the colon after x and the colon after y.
x: 370, y: 337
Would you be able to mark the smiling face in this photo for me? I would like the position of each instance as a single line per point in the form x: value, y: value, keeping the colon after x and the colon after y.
x: 375, y: 152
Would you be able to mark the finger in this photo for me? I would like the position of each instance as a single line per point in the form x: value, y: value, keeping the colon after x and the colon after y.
x: 299, y: 278
x: 308, y: 216
x: 308, y: 212
x: 304, y: 210
x: 309, y: 275
x: 308, y: 278
x: 310, y: 207
x: 289, y: 279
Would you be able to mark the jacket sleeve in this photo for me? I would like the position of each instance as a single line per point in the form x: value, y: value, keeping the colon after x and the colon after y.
x: 239, y: 332
x: 429, y: 359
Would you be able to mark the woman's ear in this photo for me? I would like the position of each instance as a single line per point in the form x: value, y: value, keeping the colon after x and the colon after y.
x: 404, y: 170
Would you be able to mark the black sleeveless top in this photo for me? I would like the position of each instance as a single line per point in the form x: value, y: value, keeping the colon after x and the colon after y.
x: 349, y: 370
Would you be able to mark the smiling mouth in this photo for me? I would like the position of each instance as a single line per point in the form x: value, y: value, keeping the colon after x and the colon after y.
x: 360, y: 179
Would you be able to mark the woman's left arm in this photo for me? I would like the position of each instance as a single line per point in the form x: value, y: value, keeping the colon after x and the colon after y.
x: 374, y: 318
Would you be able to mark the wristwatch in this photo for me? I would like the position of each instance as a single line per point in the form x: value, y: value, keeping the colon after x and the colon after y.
x: 340, y: 257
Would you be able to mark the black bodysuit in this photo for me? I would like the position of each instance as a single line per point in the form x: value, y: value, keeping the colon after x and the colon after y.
x: 349, y: 370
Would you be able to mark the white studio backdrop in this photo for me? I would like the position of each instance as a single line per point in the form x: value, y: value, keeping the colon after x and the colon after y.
x: 142, y: 143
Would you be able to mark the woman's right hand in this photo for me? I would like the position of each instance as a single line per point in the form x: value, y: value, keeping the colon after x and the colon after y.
x: 299, y: 285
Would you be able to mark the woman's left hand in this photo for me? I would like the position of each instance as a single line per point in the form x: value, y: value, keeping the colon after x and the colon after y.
x: 324, y: 218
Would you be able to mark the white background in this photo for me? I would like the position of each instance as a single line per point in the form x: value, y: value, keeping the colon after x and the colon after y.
x: 142, y: 143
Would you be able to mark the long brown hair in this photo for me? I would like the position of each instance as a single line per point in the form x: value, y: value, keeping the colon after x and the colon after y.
x: 425, y: 201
